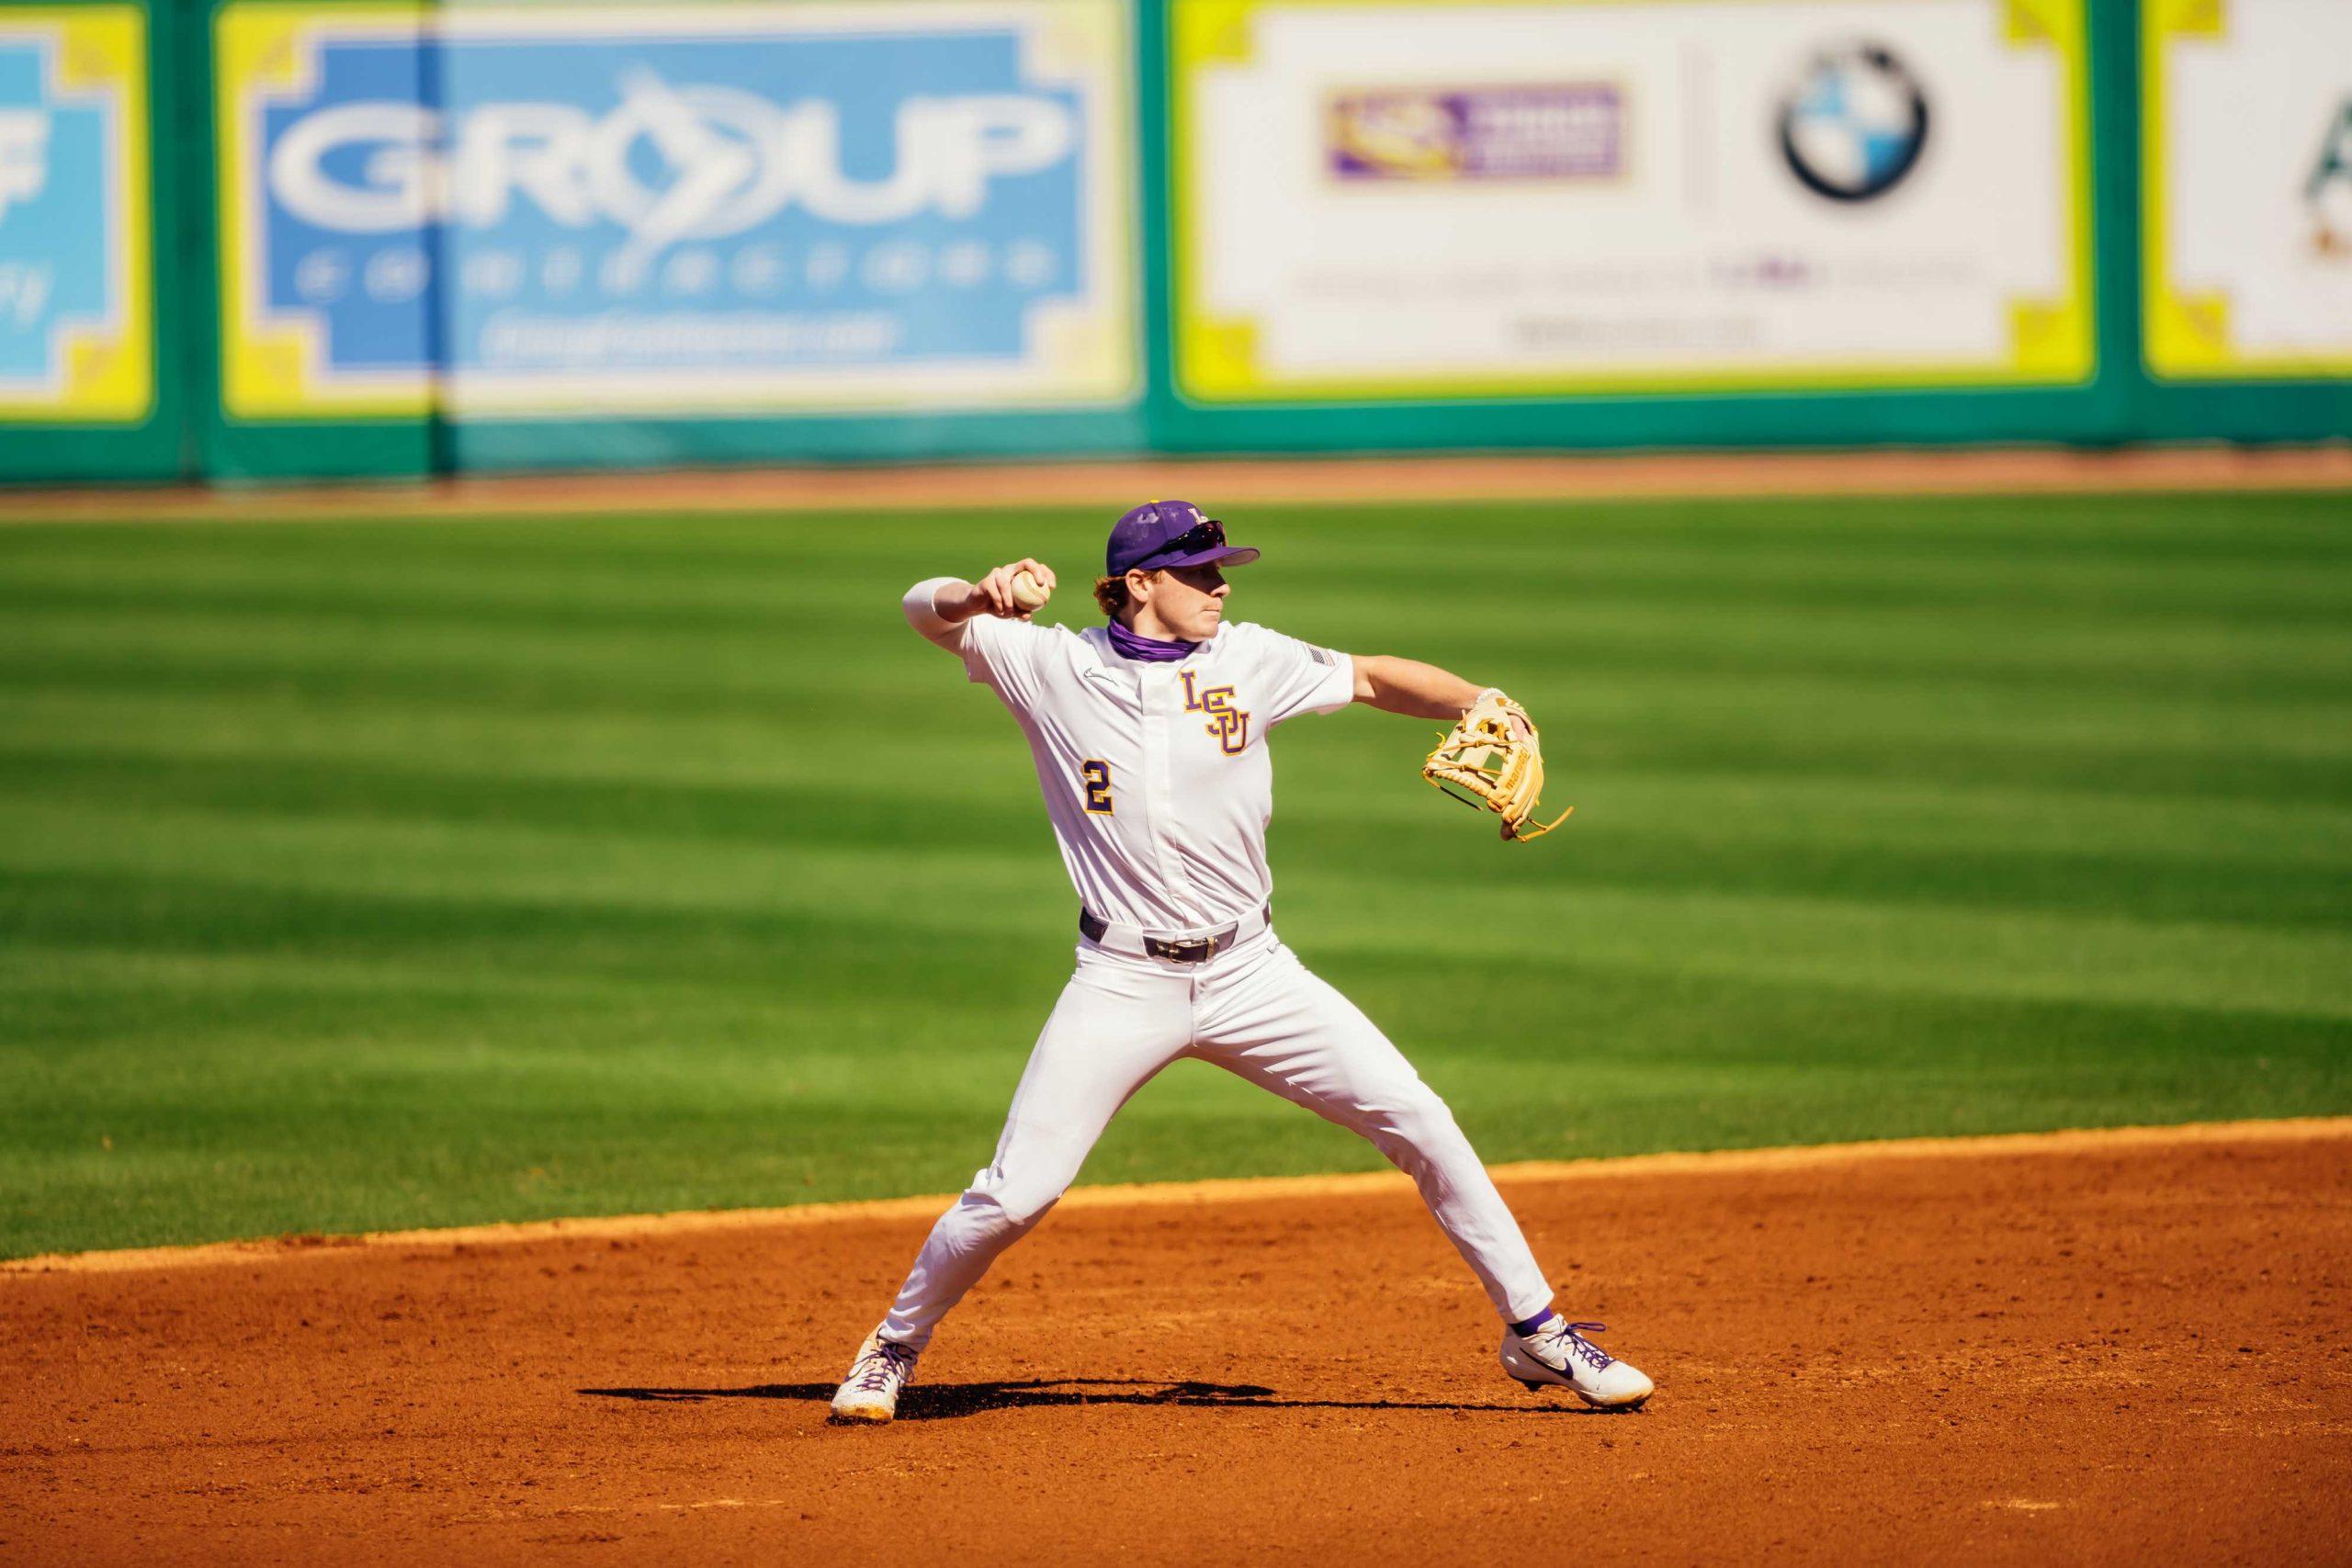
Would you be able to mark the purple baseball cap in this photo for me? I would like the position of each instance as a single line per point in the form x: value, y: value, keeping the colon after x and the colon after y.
x: 1169, y: 533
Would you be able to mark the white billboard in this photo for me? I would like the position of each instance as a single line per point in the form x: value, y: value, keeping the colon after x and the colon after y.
x: 1402, y: 198
x: 2246, y: 233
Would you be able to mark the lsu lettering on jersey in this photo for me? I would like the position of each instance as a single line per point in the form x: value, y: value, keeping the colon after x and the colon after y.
x: 1155, y: 776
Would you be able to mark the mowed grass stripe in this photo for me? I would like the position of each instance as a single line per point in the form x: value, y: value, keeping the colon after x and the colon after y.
x: 357, y: 875
x: 2150, y: 672
x: 284, y: 832
x: 616, y: 912
x: 720, y: 804
x: 1732, y: 751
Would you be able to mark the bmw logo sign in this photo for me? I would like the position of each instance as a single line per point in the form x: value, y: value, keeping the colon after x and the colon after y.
x: 1854, y: 123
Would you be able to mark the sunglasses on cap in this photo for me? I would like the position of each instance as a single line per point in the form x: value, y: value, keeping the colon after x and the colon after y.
x: 1203, y: 535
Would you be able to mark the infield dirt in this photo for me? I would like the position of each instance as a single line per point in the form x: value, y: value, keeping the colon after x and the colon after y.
x: 2088, y: 1349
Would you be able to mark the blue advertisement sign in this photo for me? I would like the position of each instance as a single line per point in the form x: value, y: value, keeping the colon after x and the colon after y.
x: 761, y: 208
x: 75, y: 338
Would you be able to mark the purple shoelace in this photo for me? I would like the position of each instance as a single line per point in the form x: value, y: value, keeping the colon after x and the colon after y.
x: 875, y: 1369
x: 1585, y: 1349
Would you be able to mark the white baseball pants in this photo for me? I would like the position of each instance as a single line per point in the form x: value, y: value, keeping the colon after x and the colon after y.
x: 1257, y: 1011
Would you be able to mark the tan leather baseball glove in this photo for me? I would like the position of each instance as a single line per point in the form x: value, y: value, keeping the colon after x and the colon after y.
x: 1492, y: 757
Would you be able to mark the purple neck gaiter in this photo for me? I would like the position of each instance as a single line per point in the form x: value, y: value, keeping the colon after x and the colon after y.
x: 1148, y: 649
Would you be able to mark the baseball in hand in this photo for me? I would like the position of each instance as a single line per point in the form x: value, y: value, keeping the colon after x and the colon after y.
x: 1029, y: 594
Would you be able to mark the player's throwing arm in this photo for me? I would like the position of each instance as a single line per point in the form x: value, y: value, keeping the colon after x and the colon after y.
x: 1014, y: 591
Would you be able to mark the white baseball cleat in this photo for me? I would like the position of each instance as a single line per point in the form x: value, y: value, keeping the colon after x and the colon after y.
x: 870, y: 1392
x: 1559, y: 1354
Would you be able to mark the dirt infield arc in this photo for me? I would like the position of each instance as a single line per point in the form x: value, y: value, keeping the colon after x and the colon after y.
x: 2084, y: 1347
x: 1436, y: 480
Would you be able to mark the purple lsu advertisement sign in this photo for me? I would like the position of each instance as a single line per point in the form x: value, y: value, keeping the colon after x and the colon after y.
x: 1565, y: 130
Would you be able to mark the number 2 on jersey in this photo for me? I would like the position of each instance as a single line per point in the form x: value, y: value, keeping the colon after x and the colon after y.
x: 1098, y: 786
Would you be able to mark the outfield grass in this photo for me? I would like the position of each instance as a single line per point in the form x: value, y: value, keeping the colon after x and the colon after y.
x: 406, y: 873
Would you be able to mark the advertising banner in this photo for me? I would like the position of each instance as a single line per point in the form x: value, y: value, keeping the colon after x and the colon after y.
x: 1416, y: 199
x: 77, y: 287
x: 2248, y: 187
x: 879, y: 206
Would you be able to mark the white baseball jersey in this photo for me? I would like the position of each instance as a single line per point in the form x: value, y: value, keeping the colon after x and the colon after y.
x: 1157, y: 775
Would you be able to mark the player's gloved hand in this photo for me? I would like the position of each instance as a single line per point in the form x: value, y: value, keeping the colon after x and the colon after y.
x: 995, y: 590
x: 1493, y: 758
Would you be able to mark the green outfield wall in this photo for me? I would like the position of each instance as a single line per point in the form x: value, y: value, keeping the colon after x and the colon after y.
x: 248, y: 239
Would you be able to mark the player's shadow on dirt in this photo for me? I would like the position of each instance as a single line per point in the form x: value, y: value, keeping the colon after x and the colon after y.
x: 948, y: 1400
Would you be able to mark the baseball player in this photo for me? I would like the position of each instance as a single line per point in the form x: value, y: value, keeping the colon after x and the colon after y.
x: 1151, y: 740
